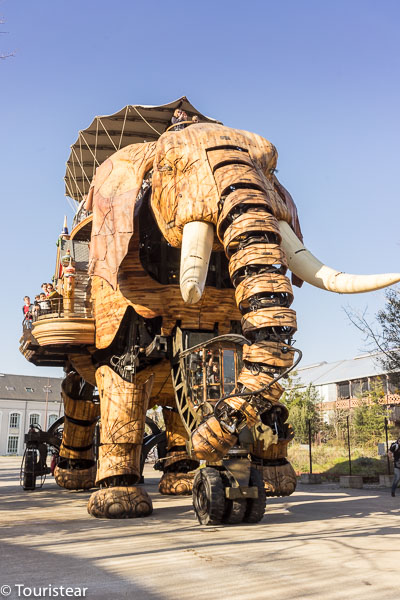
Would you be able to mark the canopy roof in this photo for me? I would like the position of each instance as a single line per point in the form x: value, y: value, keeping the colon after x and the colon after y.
x: 105, y: 135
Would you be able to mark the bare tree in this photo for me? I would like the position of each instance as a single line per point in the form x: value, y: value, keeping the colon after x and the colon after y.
x: 383, y: 333
x: 3, y: 56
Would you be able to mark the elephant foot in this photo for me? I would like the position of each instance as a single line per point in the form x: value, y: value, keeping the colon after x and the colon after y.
x: 176, y: 484
x: 123, y: 502
x: 279, y: 477
x: 75, y: 478
x: 179, y: 461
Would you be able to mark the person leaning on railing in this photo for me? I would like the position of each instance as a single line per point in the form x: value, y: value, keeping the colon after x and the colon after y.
x: 44, y: 304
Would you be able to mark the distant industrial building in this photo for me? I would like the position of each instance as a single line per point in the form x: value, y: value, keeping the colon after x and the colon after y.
x: 25, y: 401
x: 343, y: 384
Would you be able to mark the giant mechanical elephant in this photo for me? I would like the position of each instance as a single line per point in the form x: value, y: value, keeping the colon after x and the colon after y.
x: 192, y: 233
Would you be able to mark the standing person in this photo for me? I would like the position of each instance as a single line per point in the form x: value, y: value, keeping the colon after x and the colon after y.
x: 179, y: 116
x: 394, y: 452
x: 36, y: 307
x: 27, y: 312
x: 44, y: 288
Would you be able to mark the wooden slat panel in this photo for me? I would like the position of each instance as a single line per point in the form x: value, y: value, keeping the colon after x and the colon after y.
x: 269, y: 317
x: 218, y: 157
x: 264, y: 282
x: 251, y: 221
x: 238, y: 174
x: 269, y: 353
x: 257, y: 254
x: 241, y: 198
x: 255, y: 382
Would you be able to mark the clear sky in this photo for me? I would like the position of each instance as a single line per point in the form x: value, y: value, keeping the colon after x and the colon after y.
x: 320, y: 79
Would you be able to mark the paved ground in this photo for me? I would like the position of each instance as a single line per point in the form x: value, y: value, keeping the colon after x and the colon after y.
x: 323, y: 542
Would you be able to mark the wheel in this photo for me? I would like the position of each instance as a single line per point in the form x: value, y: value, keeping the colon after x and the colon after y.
x: 255, y: 507
x: 234, y: 509
x: 209, y: 496
x: 29, y: 477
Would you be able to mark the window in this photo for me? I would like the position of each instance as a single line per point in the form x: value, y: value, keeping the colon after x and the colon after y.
x: 34, y: 419
x: 359, y: 387
x: 52, y: 419
x: 393, y: 384
x: 343, y: 389
x: 10, y: 388
x: 47, y: 389
x: 29, y: 389
x: 15, y: 419
x: 12, y: 444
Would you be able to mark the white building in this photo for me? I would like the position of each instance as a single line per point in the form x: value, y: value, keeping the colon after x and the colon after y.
x: 341, y: 384
x: 26, y: 400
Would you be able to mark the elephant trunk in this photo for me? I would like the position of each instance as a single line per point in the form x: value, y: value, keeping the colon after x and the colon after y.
x: 257, y: 264
x: 251, y: 238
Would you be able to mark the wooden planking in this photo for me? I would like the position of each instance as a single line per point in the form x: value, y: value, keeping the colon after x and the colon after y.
x: 76, y: 436
x: 210, y: 442
x: 269, y: 353
x: 272, y: 316
x: 123, y: 412
x: 151, y: 299
x: 183, y: 184
x: 82, y: 363
x: 239, y: 201
x: 251, y: 221
x: 175, y: 429
x: 238, y: 174
x: 162, y: 393
x: 73, y: 330
x: 257, y: 255
x: 123, y: 407
x: 263, y: 283
x: 255, y: 382
x: 222, y: 156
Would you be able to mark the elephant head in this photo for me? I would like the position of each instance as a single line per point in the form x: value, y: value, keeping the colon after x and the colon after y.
x: 195, y: 174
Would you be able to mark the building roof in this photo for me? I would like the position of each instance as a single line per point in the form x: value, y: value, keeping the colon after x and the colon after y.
x: 367, y: 365
x: 28, y: 387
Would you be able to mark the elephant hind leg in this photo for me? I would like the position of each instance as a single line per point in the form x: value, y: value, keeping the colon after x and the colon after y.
x: 123, y: 411
x: 76, y: 469
x: 176, y: 479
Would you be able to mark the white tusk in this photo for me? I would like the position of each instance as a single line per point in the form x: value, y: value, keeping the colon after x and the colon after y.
x: 197, y: 243
x: 304, y: 264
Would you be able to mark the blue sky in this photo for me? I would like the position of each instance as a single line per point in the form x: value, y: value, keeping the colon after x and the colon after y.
x: 318, y: 79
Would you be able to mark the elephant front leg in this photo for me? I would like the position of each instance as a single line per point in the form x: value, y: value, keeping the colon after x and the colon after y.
x: 123, y: 411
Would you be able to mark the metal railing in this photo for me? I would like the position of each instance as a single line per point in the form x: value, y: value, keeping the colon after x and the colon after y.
x: 81, y: 214
x: 53, y: 308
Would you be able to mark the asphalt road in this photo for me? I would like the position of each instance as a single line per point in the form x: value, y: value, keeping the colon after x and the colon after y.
x: 323, y: 542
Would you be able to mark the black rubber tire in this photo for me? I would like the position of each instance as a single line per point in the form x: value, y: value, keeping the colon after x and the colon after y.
x: 209, y: 496
x: 255, y: 507
x: 234, y: 509
x: 29, y: 479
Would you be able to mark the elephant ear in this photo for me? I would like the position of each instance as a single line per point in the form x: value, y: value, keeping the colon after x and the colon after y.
x: 112, y: 196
